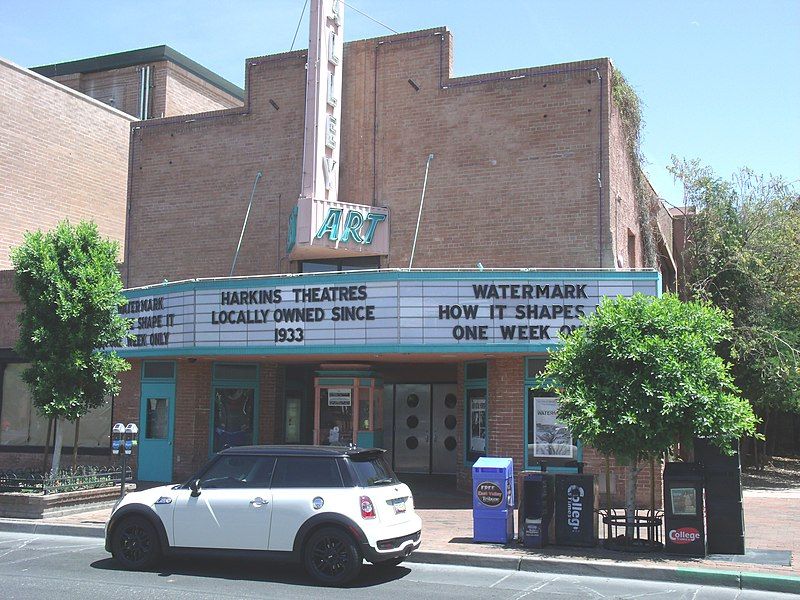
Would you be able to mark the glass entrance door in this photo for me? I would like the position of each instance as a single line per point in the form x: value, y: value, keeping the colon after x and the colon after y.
x: 157, y: 431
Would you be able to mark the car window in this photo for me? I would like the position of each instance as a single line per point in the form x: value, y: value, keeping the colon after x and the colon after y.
x: 374, y: 472
x: 239, y: 472
x: 306, y: 472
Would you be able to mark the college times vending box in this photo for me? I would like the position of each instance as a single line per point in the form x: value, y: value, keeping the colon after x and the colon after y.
x: 574, y: 511
x: 684, y: 514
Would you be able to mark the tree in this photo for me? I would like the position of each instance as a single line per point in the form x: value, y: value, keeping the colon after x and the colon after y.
x: 641, y: 374
x: 70, y: 289
x: 743, y: 255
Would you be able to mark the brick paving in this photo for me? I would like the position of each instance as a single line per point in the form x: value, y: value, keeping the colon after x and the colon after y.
x: 772, y: 522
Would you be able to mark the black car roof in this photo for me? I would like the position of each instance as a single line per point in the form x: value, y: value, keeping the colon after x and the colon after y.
x: 302, y: 451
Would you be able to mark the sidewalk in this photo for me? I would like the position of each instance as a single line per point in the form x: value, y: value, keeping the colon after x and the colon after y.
x: 772, y: 522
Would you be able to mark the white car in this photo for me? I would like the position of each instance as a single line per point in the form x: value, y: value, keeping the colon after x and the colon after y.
x: 323, y: 506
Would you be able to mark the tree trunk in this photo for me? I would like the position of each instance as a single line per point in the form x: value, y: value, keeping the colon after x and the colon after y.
x: 630, y: 499
x: 756, y: 459
x: 75, y: 444
x: 763, y: 443
x: 652, y: 485
x: 47, y: 444
x: 57, y: 444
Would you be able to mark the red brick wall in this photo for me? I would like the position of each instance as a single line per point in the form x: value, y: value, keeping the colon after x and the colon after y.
x: 33, y: 460
x: 10, y: 307
x: 513, y: 182
x: 62, y: 155
x: 506, y: 418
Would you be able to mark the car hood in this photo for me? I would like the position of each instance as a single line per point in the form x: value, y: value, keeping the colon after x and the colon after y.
x: 148, y: 497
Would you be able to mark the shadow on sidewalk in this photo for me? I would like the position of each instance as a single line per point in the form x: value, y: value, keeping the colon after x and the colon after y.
x: 436, y: 491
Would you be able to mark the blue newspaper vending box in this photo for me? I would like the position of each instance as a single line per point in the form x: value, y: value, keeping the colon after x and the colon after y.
x: 493, y: 500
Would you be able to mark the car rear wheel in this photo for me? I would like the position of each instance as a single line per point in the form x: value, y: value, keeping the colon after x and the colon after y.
x: 331, y: 556
x: 135, y: 544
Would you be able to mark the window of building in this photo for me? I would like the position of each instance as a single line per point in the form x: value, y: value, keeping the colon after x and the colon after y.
x: 234, y: 418
x: 631, y: 249
x: 306, y: 472
x: 476, y: 404
x: 356, y: 263
x: 22, y: 425
x: 548, y: 442
x: 158, y: 370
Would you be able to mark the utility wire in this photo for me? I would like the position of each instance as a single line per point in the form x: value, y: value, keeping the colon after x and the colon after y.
x: 303, y: 12
x: 366, y: 15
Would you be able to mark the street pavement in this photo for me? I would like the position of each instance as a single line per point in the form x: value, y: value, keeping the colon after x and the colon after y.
x: 64, y: 567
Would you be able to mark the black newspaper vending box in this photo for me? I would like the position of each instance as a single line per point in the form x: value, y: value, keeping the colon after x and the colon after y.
x: 575, y: 519
x: 724, y: 511
x: 684, y: 516
x: 535, y: 509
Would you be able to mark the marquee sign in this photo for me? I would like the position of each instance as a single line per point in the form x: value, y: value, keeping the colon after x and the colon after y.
x: 368, y: 312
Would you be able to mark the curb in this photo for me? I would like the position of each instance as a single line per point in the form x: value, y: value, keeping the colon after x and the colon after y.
x: 595, y: 568
x: 14, y: 526
x: 710, y: 577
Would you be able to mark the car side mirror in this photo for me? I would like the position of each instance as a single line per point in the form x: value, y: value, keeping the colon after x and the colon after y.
x: 194, y: 485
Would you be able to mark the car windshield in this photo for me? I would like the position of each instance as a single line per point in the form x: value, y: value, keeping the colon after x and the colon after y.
x: 374, y: 472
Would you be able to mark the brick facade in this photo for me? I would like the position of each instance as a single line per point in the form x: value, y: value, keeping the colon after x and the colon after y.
x: 62, y: 155
x: 173, y: 90
x: 530, y: 170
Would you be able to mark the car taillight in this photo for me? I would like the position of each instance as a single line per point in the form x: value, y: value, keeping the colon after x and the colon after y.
x: 367, y: 510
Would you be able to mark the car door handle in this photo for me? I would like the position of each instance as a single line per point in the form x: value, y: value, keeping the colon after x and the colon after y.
x: 258, y: 501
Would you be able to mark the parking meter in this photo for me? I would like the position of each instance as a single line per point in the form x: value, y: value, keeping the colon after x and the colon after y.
x: 117, y: 435
x: 123, y: 439
x: 131, y: 432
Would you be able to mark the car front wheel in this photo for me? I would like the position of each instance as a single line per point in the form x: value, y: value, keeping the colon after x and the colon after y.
x: 332, y: 557
x: 135, y: 544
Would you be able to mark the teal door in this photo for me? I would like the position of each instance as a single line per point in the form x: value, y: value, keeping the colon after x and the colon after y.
x: 157, y: 431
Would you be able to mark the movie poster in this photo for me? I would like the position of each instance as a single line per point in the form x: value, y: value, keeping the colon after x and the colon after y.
x: 550, y: 438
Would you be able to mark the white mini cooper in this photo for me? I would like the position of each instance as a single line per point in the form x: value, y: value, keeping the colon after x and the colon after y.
x: 323, y: 506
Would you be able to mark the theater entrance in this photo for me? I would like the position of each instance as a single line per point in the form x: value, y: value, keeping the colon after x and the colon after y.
x: 422, y: 420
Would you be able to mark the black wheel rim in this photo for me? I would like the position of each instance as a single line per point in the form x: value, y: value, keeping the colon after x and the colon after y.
x: 135, y: 544
x: 330, y: 556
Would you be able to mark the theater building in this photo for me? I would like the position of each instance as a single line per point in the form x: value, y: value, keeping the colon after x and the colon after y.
x: 414, y: 244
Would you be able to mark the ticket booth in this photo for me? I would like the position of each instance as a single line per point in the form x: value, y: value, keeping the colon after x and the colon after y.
x: 348, y: 407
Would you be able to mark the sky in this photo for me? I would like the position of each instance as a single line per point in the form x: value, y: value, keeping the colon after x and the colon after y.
x: 719, y: 79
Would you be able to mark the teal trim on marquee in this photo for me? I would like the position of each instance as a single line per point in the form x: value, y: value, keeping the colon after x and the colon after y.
x: 359, y: 277
x: 353, y: 277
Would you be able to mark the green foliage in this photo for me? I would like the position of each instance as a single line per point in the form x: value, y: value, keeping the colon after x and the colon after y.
x: 629, y: 106
x: 643, y: 373
x: 70, y: 287
x: 743, y: 255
